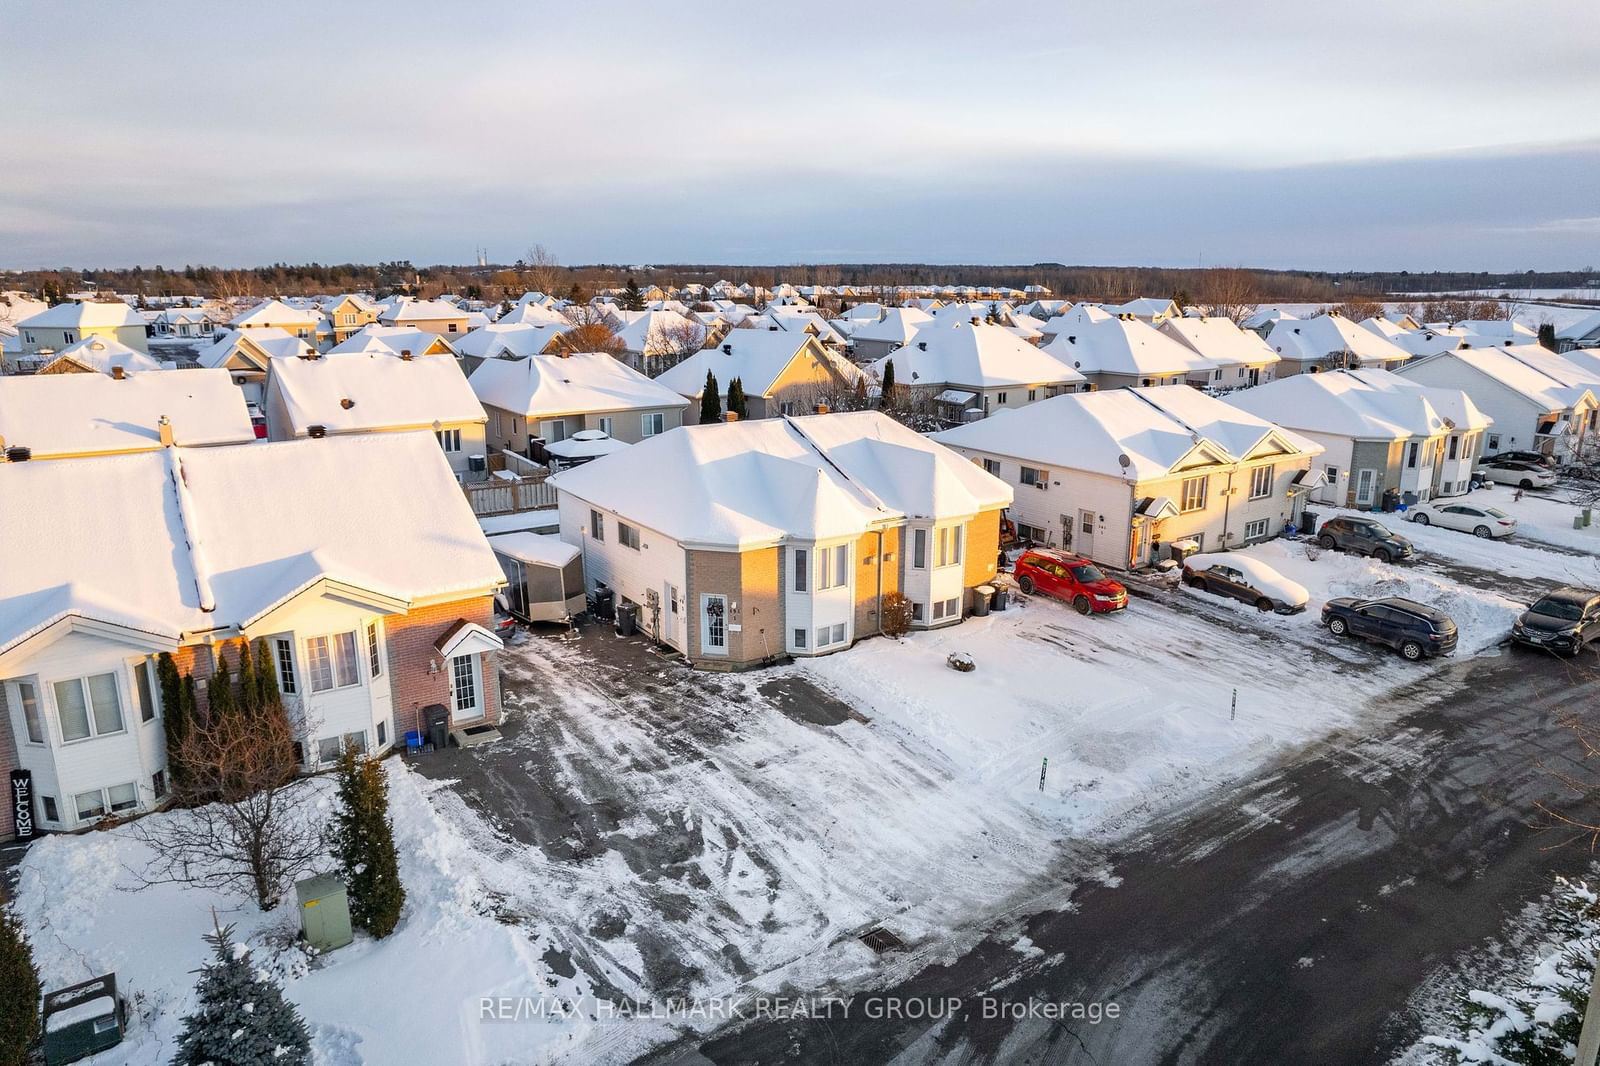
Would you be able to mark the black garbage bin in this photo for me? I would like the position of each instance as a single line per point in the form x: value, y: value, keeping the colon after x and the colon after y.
x: 1308, y: 522
x: 627, y: 619
x: 603, y: 600
x: 436, y: 725
x: 1002, y: 597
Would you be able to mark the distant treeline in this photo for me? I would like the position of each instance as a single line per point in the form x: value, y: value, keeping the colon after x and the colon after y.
x: 507, y: 281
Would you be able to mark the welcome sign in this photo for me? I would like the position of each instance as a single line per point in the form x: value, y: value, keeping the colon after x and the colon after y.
x: 22, y: 804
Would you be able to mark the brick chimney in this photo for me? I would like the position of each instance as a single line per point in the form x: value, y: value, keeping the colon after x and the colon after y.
x: 730, y: 416
x: 820, y: 409
x: 117, y: 373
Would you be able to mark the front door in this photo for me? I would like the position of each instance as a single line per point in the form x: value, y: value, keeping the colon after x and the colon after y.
x: 1366, y: 485
x: 466, y: 696
x: 669, y: 613
x: 1084, y: 545
x: 713, y: 625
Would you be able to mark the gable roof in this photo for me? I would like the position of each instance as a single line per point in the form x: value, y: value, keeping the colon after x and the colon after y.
x: 757, y: 357
x: 1582, y: 329
x: 102, y: 355
x: 273, y: 312
x: 1517, y: 375
x: 1157, y: 429
x: 981, y: 356
x: 85, y: 315
x: 511, y: 338
x: 255, y: 347
x: 897, y: 326
x: 407, y: 310
x: 1093, y: 342
x: 658, y: 332
x: 1311, y: 340
x: 748, y: 484
x: 59, y: 415
x: 547, y: 386
x: 383, y: 392
x: 1365, y: 404
x: 374, y: 339
x: 1220, y: 340
x: 170, y: 541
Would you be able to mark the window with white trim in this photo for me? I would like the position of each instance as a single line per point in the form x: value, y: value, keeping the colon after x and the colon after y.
x: 1193, y: 494
x: 158, y: 783
x: 800, y: 558
x: 356, y: 741
x: 833, y: 567
x: 1035, y: 477
x: 374, y: 658
x: 29, y: 696
x: 828, y: 636
x: 799, y: 638
x: 1000, y: 399
x: 51, y: 812
x: 332, y: 662
x: 464, y: 682
x: 88, y: 707
x: 285, y: 650
x: 919, y: 549
x: 651, y: 424
x: 1332, y: 474
x: 605, y: 424
x: 327, y: 750
x: 1256, y: 529
x: 991, y: 466
x: 916, y: 612
x: 147, y: 701
x: 627, y: 536
x: 1261, y: 482
x: 449, y: 439
x: 597, y: 525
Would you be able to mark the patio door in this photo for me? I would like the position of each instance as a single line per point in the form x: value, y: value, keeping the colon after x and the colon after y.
x: 1366, y: 486
x: 713, y: 624
x: 466, y: 693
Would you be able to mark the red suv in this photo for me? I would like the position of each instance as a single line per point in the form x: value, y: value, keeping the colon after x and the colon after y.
x: 1071, y: 578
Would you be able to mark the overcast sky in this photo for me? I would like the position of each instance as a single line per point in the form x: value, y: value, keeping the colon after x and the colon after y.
x: 1425, y: 134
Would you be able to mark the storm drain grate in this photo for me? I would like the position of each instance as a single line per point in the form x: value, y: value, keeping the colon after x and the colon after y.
x: 881, y: 940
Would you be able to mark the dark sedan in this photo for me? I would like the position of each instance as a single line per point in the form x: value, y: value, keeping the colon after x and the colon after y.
x: 1563, y: 621
x: 1414, y: 629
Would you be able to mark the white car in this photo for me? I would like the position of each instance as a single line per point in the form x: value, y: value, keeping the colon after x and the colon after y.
x: 1480, y: 521
x: 1522, y: 475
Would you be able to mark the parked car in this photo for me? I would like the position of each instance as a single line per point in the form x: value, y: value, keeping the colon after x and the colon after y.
x: 1365, y: 536
x: 1534, y: 458
x: 1522, y: 475
x: 258, y: 420
x: 1562, y: 621
x: 1414, y: 629
x: 1071, y: 578
x: 1246, y: 579
x: 1485, y: 522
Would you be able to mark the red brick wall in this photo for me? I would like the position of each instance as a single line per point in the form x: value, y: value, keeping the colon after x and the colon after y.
x: 411, y: 640
x: 8, y: 763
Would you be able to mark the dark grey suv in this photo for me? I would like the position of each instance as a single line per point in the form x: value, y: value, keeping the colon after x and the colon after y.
x: 1365, y: 536
x: 1562, y: 621
x: 1414, y: 629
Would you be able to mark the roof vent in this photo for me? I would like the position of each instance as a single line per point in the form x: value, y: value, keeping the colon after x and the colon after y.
x: 727, y: 349
x: 18, y: 454
x: 405, y: 353
x: 118, y: 373
x: 316, y: 432
x: 772, y: 329
x: 922, y: 346
x: 164, y: 431
x: 347, y: 403
x: 1072, y: 340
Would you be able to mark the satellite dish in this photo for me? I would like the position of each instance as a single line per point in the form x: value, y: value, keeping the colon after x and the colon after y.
x: 1124, y: 461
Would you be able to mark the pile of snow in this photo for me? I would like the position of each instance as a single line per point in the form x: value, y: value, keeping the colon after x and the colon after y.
x: 413, y: 997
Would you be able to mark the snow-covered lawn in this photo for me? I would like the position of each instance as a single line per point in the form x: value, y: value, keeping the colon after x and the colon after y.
x: 410, y: 998
x: 661, y: 832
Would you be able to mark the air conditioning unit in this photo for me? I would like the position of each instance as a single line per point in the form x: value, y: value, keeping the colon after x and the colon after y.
x: 1041, y: 485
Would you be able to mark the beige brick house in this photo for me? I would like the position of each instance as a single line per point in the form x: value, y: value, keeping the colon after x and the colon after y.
x: 744, y: 543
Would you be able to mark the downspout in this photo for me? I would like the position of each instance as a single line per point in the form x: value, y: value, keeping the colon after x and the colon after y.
x: 880, y: 582
x: 1227, y: 507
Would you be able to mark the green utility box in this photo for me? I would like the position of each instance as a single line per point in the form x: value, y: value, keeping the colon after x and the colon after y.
x: 324, y: 912
x: 82, y: 1020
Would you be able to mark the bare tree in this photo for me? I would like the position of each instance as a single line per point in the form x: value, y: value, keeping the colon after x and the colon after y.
x: 543, y: 271
x: 591, y: 332
x: 254, y: 827
x: 1358, y: 310
x: 1228, y: 292
x: 674, y: 343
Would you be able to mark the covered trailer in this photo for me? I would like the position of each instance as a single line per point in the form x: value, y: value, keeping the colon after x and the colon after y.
x: 544, y: 576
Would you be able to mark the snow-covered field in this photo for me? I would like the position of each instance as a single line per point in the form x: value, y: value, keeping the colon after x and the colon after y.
x: 645, y: 831
x: 1523, y: 310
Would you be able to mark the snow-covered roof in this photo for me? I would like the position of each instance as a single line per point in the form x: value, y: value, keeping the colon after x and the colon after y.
x: 79, y: 414
x: 406, y: 311
x: 86, y: 315
x: 981, y: 356
x: 373, y: 339
x: 173, y: 541
x: 1365, y: 404
x: 748, y: 484
x: 103, y: 355
x: 1093, y: 342
x: 1155, y: 429
x: 1220, y: 340
x: 805, y: 321
x: 542, y: 549
x: 1311, y: 340
x: 897, y: 326
x: 659, y: 332
x: 1266, y: 316
x: 372, y: 391
x: 1583, y: 328
x: 756, y: 357
x: 548, y: 386
x: 512, y: 338
x: 1146, y: 307
x: 1499, y: 330
x: 1501, y: 364
x: 533, y: 313
x: 259, y: 345
x: 275, y: 312
x: 1575, y: 369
